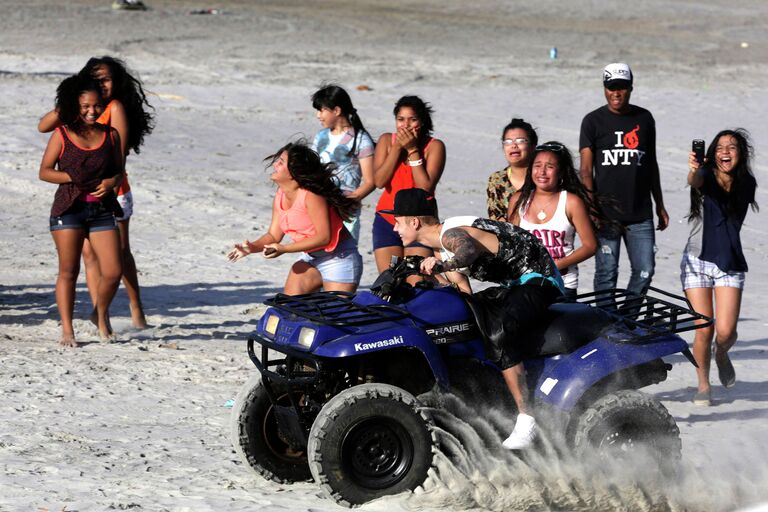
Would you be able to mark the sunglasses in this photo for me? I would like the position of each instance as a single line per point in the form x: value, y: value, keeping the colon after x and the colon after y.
x: 552, y: 146
x: 520, y: 141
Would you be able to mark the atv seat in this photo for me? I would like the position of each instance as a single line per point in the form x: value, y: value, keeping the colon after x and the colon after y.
x: 569, y: 326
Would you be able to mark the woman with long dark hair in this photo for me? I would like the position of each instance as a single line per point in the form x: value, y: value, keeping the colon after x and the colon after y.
x: 713, y: 266
x: 518, y: 139
x: 407, y: 158
x: 345, y: 142
x: 85, y: 159
x: 126, y: 109
x: 310, y: 209
x: 555, y: 206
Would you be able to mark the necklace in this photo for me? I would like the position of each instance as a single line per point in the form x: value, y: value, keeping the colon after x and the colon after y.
x: 542, y: 215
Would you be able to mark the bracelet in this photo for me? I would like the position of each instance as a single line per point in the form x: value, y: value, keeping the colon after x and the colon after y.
x: 415, y: 163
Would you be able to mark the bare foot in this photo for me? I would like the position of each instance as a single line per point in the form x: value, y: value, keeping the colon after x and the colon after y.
x: 68, y: 340
x: 94, y: 318
x: 138, y: 320
x: 107, y: 337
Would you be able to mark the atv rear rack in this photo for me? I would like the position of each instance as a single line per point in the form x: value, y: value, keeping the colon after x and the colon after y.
x: 335, y: 308
x: 658, y: 313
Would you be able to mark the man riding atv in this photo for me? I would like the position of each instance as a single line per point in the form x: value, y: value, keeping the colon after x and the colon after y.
x: 496, y: 252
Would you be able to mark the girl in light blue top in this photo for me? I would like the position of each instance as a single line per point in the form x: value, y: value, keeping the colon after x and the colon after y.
x: 346, y: 143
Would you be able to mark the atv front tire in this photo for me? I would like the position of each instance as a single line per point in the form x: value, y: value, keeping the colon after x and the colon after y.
x: 369, y: 441
x: 626, y: 422
x: 256, y: 437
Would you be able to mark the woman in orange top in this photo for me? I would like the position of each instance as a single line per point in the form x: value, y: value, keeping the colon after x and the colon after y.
x: 408, y: 158
x: 310, y: 209
x: 125, y: 110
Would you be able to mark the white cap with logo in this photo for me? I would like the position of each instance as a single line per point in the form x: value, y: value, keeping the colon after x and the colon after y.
x: 617, y: 75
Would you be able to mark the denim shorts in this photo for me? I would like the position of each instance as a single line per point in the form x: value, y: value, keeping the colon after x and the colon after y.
x: 384, y: 235
x: 126, y: 203
x: 86, y: 216
x: 343, y: 265
x: 696, y: 273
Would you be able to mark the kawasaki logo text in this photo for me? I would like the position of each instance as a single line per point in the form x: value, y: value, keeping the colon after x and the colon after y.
x: 397, y: 340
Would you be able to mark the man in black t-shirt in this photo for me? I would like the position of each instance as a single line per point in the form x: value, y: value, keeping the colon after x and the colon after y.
x: 618, y: 144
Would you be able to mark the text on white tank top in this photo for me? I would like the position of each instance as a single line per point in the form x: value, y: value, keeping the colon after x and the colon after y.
x: 557, y: 235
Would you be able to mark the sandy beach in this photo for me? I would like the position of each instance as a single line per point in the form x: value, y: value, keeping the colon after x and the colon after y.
x: 143, y: 423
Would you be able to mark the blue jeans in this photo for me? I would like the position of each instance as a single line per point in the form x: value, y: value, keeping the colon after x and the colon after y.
x: 640, y: 239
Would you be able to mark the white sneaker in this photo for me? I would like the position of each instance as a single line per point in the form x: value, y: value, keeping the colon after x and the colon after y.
x: 523, y: 434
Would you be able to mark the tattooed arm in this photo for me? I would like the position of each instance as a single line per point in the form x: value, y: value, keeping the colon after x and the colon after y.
x: 465, y: 249
x: 447, y: 277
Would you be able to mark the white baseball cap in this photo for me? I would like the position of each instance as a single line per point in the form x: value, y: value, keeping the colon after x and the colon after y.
x: 617, y: 75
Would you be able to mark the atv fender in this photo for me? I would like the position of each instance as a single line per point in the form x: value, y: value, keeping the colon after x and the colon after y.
x: 561, y: 381
x: 401, y: 337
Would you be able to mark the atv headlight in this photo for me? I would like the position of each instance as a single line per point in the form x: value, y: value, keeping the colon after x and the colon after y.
x: 271, y: 325
x: 306, y: 336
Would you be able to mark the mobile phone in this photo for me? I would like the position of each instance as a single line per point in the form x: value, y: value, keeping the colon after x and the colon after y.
x: 697, y: 146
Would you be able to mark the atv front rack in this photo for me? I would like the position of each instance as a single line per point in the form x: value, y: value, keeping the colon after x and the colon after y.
x: 657, y: 313
x: 335, y: 308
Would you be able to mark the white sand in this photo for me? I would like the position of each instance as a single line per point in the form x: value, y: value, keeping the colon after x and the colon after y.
x: 133, y: 425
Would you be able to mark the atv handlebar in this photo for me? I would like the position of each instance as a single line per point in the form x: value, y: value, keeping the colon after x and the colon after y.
x: 392, y: 282
x: 438, y: 268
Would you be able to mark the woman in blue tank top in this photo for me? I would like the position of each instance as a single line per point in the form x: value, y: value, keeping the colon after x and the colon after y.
x: 713, y: 266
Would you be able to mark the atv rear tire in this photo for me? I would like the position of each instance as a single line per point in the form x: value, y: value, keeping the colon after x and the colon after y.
x: 626, y: 422
x: 256, y: 438
x: 369, y: 441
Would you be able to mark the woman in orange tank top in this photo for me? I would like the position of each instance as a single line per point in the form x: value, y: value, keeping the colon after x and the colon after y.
x: 310, y: 209
x: 125, y: 110
x: 407, y: 158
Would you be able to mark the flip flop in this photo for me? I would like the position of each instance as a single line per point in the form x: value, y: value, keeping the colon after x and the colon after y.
x: 703, y: 398
x: 726, y: 372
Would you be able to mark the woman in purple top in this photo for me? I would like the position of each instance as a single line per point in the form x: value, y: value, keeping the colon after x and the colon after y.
x: 713, y: 265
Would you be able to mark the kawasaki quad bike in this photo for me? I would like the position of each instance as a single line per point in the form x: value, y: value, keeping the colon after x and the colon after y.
x: 338, y: 396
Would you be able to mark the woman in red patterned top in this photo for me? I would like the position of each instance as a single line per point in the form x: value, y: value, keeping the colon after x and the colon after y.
x: 85, y: 159
x: 407, y: 158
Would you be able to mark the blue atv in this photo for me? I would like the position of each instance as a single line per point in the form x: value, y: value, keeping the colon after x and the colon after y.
x: 343, y: 379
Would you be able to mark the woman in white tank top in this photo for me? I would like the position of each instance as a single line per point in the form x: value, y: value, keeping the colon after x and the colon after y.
x: 555, y: 206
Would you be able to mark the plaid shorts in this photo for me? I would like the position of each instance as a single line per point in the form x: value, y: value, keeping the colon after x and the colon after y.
x: 696, y: 273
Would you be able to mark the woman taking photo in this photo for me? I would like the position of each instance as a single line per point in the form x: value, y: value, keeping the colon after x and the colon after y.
x: 517, y: 141
x: 310, y: 209
x: 407, y: 158
x: 344, y: 142
x: 126, y: 110
x: 84, y: 158
x: 555, y: 206
x: 713, y: 265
